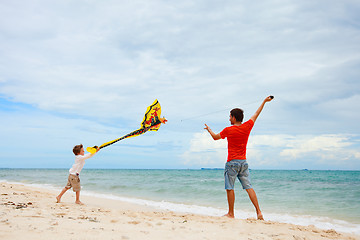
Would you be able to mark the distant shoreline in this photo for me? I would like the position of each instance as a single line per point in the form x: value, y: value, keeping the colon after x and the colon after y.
x: 176, y: 169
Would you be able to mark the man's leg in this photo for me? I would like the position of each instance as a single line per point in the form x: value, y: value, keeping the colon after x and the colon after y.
x: 253, y: 198
x: 231, y: 201
x: 231, y: 171
x: 58, y: 198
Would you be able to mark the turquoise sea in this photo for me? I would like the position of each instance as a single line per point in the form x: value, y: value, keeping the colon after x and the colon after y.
x: 326, y: 199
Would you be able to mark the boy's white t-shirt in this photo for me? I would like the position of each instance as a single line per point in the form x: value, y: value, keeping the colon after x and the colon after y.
x: 79, y: 163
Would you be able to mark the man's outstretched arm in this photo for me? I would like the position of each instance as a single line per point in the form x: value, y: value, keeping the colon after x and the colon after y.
x: 257, y: 113
x: 214, y: 136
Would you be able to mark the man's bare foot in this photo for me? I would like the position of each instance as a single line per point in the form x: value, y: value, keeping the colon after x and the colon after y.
x: 228, y: 215
x: 260, y: 216
x: 58, y: 199
x: 80, y: 203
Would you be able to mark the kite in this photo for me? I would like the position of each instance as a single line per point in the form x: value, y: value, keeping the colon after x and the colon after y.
x: 151, y: 122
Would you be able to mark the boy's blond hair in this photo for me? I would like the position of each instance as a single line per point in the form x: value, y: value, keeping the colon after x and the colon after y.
x: 77, y: 148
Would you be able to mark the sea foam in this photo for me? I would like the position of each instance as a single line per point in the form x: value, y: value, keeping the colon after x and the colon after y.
x: 302, y: 220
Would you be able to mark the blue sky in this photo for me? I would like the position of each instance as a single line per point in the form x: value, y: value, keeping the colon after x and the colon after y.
x: 84, y: 72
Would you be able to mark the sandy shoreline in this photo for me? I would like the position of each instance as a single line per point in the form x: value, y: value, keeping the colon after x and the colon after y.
x: 31, y: 213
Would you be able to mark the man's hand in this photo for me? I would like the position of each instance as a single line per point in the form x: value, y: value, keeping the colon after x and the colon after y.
x: 269, y: 98
x: 214, y: 136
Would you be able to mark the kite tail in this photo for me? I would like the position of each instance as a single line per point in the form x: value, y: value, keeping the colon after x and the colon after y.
x: 132, y: 134
x: 153, y: 127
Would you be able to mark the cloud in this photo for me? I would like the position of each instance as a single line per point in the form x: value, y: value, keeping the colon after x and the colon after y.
x: 105, y: 63
x: 71, y: 61
x: 326, y: 147
x: 204, y: 151
x: 328, y: 150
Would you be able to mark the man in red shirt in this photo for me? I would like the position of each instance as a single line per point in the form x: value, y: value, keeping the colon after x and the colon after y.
x: 236, y: 166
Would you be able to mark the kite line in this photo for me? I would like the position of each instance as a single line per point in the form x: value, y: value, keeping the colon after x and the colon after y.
x: 210, y: 113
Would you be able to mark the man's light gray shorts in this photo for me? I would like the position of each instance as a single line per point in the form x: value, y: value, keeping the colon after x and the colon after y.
x: 237, y: 168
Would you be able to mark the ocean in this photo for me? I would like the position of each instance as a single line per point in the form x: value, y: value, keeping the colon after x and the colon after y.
x: 325, y: 199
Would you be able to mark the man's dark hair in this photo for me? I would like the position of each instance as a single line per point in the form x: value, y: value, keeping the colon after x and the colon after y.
x: 238, y: 114
x: 77, y: 148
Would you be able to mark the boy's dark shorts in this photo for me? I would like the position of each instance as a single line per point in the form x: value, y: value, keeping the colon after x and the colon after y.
x: 73, y: 182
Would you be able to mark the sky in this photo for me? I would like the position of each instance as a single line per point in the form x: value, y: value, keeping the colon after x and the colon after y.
x: 85, y: 71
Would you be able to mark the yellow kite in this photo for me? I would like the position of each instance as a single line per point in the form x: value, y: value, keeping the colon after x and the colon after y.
x: 151, y: 122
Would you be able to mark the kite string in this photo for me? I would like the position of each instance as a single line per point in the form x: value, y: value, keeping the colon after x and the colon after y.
x: 210, y: 113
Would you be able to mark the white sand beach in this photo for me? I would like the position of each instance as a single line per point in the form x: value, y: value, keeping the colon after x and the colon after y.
x: 32, y: 213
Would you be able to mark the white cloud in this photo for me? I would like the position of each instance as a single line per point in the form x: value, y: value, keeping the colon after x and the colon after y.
x: 275, y: 150
x: 107, y: 62
x: 326, y: 147
x: 204, y: 151
x: 182, y: 51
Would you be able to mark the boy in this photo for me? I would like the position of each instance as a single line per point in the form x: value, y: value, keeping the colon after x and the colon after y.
x: 74, y: 180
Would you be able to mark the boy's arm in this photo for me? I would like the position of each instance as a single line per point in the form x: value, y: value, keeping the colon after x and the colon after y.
x: 214, y: 136
x: 257, y: 113
x: 89, y: 155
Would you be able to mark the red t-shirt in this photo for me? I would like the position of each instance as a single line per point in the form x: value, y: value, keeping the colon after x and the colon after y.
x: 237, y: 137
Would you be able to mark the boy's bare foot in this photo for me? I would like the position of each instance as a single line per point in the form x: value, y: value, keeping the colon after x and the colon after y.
x: 80, y: 203
x: 58, y: 199
x: 228, y: 215
x: 260, y: 216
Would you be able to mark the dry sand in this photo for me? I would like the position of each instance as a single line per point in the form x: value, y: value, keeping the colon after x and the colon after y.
x: 31, y: 213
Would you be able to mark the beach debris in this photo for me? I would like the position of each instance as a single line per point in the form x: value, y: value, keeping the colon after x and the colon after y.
x: 90, y: 219
x: 298, y: 238
x: 9, y: 203
x: 101, y: 210
x: 21, y: 205
x: 17, y: 205
x: 61, y: 214
x: 6, y: 221
x: 93, y: 219
x: 134, y: 222
x: 332, y: 233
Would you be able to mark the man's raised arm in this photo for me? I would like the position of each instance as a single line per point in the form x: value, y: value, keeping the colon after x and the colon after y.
x: 257, y: 113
